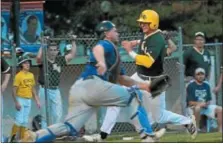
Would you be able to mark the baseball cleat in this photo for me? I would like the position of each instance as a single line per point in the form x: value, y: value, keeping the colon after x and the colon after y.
x: 154, y: 137
x: 148, y: 139
x: 92, y: 138
x: 192, y: 128
x: 159, y: 129
x: 160, y: 133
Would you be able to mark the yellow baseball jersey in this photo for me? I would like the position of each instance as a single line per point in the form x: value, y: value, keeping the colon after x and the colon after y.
x: 24, y: 81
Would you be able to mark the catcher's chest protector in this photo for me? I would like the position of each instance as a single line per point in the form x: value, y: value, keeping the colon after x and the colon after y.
x: 114, y: 69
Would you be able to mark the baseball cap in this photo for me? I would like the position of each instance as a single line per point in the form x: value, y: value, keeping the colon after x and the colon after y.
x: 199, y: 34
x: 199, y: 70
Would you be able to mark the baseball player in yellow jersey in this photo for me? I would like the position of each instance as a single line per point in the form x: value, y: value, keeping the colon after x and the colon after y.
x: 23, y: 92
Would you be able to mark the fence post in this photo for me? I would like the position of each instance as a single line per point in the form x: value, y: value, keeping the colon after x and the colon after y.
x: 217, y: 69
x: 181, y: 70
x: 14, y: 61
x: 45, y: 69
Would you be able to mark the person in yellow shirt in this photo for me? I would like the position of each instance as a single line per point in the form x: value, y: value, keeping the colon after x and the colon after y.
x: 23, y: 92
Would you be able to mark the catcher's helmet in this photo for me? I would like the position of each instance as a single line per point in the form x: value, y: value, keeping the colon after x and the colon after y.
x: 36, y: 122
x: 150, y: 16
x: 103, y: 27
x: 23, y: 59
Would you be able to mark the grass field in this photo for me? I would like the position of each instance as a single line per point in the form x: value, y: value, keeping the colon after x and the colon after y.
x: 173, y: 137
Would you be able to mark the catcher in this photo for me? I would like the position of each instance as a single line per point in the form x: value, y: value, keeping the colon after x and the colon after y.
x: 97, y: 87
x: 149, y: 60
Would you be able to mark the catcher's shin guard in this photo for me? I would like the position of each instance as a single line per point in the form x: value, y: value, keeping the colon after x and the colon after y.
x: 140, y: 112
x: 50, y: 134
x: 142, y: 116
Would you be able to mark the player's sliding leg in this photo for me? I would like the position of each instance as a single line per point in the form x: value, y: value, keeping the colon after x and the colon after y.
x: 167, y: 117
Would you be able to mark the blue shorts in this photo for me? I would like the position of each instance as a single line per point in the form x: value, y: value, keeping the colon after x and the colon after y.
x: 209, y: 111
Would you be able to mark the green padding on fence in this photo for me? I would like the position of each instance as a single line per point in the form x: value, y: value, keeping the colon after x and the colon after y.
x: 76, y: 60
x: 84, y: 59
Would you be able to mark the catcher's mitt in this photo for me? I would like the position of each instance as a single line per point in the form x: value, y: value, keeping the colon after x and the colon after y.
x: 159, y: 85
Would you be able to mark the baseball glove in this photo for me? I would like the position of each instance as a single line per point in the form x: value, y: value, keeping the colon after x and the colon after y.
x: 159, y: 85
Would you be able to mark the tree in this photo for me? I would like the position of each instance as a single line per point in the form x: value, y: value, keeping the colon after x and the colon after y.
x: 191, y: 15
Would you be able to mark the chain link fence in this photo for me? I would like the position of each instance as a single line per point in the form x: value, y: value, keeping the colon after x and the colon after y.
x: 215, y: 50
x: 71, y: 71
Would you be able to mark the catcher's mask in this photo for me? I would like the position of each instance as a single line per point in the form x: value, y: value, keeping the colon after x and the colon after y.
x: 103, y: 27
x: 151, y: 17
x: 36, y: 123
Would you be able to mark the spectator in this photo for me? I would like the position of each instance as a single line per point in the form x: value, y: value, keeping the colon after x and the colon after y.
x: 197, y: 57
x: 199, y: 97
x: 6, y: 71
x: 55, y: 64
x: 23, y: 91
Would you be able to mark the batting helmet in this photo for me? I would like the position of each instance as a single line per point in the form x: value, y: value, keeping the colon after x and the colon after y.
x: 151, y: 17
x: 23, y: 59
x: 104, y: 26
